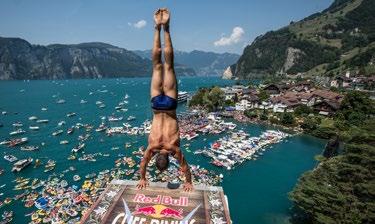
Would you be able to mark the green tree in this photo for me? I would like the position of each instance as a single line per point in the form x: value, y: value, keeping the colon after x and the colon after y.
x: 251, y: 114
x: 356, y: 107
x: 303, y: 109
x: 197, y: 99
x: 263, y: 95
x: 287, y: 118
x: 214, y: 99
x: 264, y: 115
x: 310, y: 124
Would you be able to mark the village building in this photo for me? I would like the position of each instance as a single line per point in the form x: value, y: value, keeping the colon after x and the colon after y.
x: 326, y: 107
x: 246, y: 102
x: 303, y: 86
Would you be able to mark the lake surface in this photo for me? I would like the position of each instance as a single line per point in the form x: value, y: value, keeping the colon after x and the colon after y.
x: 257, y: 190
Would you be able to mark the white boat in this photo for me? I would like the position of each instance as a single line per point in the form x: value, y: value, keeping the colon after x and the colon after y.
x: 130, y: 118
x: 10, y: 158
x: 17, y: 124
x: 17, y: 132
x: 182, y: 96
x: 42, y: 121
x: 44, y: 109
x: 21, y: 164
x: 64, y: 142
x: 101, y: 128
x: 58, y: 132
x: 61, y: 123
x: 71, y: 114
x: 76, y: 177
x: 33, y: 118
x: 70, y: 131
x: 17, y: 141
x: 78, y: 147
x: 83, y: 101
x: 29, y: 148
x: 61, y: 101
x: 5, y: 142
x: 34, y: 128
x: 113, y: 118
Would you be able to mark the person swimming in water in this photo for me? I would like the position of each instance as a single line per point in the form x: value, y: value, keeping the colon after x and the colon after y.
x: 164, y: 138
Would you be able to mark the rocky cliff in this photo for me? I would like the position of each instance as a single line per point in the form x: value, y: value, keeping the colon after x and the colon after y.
x: 22, y: 60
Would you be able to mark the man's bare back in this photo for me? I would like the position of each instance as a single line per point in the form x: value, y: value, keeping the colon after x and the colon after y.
x: 164, y: 138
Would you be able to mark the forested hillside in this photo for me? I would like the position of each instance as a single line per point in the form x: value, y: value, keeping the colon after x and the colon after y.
x: 338, y: 39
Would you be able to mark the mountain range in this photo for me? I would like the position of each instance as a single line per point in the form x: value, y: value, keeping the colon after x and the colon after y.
x: 21, y: 60
x: 340, y: 38
x: 204, y: 63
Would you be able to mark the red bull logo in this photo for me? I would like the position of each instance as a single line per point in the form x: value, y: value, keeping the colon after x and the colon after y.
x: 161, y: 199
x: 159, y: 211
x: 147, y: 210
x: 171, y: 213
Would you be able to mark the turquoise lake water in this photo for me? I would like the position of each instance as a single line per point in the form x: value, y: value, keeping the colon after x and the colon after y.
x: 257, y: 190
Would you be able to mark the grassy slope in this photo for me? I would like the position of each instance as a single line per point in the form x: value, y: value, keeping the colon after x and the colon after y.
x: 310, y: 29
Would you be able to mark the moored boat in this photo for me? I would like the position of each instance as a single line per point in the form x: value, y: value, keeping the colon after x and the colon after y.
x: 71, y: 114
x: 35, y: 128
x: 10, y: 158
x: 78, y: 147
x: 29, y: 148
x: 130, y: 118
x: 17, y: 141
x: 113, y: 118
x: 21, y: 164
x: 33, y: 118
x: 58, y: 132
x: 42, y: 121
x: 17, y: 132
x: 64, y: 142
x: 70, y: 130
x: 76, y: 177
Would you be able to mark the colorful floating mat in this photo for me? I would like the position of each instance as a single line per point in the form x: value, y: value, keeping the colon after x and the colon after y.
x: 123, y: 203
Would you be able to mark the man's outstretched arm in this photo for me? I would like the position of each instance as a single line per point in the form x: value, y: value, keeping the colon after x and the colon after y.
x: 142, y: 168
x: 188, y: 186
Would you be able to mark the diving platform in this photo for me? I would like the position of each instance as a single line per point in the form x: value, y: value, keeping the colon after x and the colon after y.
x: 122, y: 203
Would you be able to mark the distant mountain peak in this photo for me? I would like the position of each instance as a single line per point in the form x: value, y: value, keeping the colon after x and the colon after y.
x: 204, y: 63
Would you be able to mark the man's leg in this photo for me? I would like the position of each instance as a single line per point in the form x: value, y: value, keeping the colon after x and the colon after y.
x: 169, y: 83
x: 157, y: 73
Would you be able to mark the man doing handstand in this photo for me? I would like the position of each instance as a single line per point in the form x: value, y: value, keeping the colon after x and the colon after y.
x: 164, y: 138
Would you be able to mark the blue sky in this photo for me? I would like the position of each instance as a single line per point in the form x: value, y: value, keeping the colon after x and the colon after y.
x: 211, y: 25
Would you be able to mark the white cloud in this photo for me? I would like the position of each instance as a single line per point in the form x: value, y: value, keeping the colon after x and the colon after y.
x: 234, y: 37
x: 140, y: 24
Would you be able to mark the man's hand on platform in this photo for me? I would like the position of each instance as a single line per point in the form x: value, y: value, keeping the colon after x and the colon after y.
x: 142, y: 184
x: 188, y: 187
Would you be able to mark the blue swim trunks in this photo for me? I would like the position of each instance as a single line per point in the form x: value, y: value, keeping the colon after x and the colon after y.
x: 163, y: 102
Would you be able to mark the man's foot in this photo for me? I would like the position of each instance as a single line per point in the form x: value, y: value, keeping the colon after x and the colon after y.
x: 165, y: 17
x: 158, y: 18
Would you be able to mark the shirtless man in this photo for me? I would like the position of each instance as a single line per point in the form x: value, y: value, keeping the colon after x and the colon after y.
x: 164, y: 139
